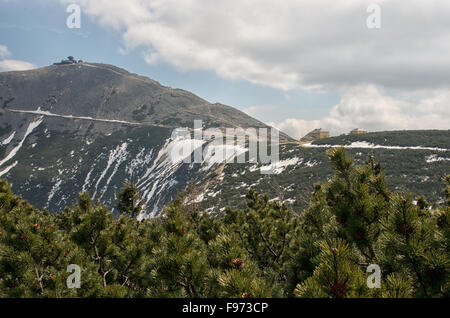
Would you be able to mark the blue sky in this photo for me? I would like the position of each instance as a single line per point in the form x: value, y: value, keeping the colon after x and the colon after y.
x: 36, y: 32
x: 298, y: 65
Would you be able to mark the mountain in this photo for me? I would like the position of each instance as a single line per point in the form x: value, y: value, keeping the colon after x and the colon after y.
x: 413, y: 161
x: 107, y: 92
x: 89, y: 127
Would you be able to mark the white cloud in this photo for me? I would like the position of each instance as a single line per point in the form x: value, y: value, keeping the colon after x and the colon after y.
x: 290, y: 43
x: 12, y: 65
x: 16, y: 65
x: 368, y: 108
x: 4, y: 52
x: 307, y: 44
x: 296, y: 128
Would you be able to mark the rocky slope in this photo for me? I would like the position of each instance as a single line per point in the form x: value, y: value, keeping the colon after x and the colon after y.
x: 88, y: 127
x: 413, y: 161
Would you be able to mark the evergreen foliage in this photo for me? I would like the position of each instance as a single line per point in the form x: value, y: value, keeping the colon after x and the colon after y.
x: 264, y: 250
x: 128, y: 200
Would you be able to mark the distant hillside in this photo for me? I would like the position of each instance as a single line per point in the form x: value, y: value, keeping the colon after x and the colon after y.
x: 406, y: 138
x: 89, y: 127
x: 414, y: 161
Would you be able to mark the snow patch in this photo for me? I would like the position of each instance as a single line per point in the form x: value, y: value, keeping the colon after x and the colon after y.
x: 279, y: 166
x: 29, y: 130
x: 435, y: 158
x: 311, y: 164
x: 199, y: 198
x: 6, y: 170
x: 141, y: 160
x: 119, y: 155
x: 53, y: 191
x: 365, y: 144
x: 215, y: 154
x: 9, y: 139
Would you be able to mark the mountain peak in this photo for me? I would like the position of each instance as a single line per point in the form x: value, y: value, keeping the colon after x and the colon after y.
x: 97, y: 90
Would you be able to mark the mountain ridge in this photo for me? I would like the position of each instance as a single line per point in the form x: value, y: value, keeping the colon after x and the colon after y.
x: 88, y: 127
x: 139, y: 90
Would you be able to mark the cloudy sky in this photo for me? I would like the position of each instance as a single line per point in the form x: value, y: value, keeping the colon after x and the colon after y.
x: 296, y: 64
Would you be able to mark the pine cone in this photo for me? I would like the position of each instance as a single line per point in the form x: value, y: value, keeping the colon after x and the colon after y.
x: 339, y: 290
x: 404, y: 229
x: 247, y: 295
x: 239, y: 263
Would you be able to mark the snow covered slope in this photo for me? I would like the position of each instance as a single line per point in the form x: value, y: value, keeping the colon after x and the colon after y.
x: 90, y: 127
